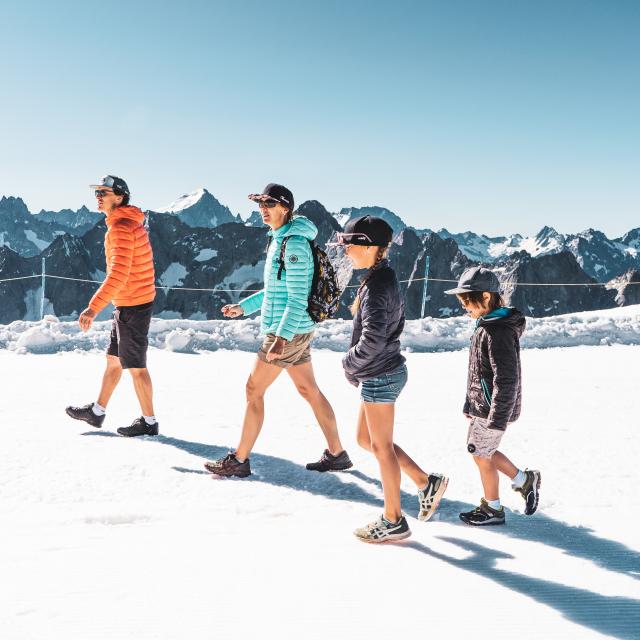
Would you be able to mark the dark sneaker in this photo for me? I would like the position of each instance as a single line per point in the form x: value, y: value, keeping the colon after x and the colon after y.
x: 139, y: 428
x: 86, y: 415
x: 530, y: 491
x: 229, y: 466
x: 429, y: 498
x: 328, y: 462
x: 384, y: 531
x: 484, y: 515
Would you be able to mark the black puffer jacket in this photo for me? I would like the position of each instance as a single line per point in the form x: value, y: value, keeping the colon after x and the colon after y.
x: 494, y: 389
x: 377, y: 325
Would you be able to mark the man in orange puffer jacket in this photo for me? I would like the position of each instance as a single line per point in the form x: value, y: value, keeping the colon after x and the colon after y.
x: 130, y: 285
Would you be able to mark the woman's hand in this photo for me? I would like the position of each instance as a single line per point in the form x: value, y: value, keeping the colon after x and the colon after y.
x: 276, y: 350
x: 232, y: 311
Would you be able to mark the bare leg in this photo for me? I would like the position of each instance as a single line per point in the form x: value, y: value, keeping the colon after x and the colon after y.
x: 260, y: 379
x: 380, y: 421
x: 504, y: 465
x: 110, y: 379
x: 303, y: 378
x: 489, y: 477
x: 407, y: 464
x: 144, y: 389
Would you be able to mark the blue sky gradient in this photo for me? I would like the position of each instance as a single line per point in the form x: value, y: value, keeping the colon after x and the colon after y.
x: 499, y: 116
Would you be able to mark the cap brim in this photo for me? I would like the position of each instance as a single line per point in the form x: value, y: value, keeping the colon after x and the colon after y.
x: 457, y: 290
x: 100, y: 186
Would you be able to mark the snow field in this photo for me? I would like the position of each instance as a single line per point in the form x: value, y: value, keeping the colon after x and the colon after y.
x: 107, y: 537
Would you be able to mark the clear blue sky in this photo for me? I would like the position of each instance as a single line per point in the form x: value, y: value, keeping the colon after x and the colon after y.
x: 498, y: 116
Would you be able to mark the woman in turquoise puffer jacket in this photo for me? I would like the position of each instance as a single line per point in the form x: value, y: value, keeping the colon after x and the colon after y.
x: 288, y: 331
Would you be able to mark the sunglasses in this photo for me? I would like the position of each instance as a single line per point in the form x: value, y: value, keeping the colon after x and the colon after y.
x: 101, y: 193
x: 349, y: 238
x: 267, y: 204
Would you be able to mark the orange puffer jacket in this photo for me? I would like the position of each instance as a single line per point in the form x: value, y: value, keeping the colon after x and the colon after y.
x: 130, y: 277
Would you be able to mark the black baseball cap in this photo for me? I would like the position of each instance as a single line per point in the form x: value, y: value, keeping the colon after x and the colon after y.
x: 277, y: 192
x: 476, y: 279
x: 118, y: 185
x: 366, y: 231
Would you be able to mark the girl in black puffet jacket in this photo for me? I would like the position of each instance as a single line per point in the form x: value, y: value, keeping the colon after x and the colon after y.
x: 374, y: 363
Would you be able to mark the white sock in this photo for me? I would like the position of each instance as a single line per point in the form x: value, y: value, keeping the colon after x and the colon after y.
x: 150, y: 419
x: 494, y: 504
x: 98, y: 409
x: 518, y: 480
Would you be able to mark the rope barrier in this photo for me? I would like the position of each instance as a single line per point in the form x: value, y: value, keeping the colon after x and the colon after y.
x: 353, y: 286
x: 39, y: 275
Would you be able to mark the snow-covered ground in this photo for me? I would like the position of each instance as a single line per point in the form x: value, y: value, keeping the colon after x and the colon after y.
x: 610, y: 326
x: 106, y: 537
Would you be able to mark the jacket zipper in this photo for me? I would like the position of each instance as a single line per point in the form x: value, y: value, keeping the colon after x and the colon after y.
x: 485, y: 389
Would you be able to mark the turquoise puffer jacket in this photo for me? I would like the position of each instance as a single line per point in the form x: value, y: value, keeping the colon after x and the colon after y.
x: 284, y: 302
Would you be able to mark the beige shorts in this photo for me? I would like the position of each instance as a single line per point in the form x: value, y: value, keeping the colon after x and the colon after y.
x: 482, y: 441
x: 296, y: 351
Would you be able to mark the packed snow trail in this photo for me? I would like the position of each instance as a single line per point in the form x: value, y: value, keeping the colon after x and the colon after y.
x: 107, y: 537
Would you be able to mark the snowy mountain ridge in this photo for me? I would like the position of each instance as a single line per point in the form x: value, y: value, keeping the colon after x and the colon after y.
x: 599, y: 256
x: 200, y: 208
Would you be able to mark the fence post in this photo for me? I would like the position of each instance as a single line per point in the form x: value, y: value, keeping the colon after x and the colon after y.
x: 426, y: 282
x: 42, y: 297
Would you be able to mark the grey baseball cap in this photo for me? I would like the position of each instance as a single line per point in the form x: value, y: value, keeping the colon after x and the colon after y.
x: 476, y: 279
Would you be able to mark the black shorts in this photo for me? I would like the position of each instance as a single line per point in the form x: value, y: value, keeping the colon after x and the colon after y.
x: 130, y: 335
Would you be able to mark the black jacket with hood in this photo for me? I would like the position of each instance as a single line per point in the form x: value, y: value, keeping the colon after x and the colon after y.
x: 377, y: 325
x: 494, y: 389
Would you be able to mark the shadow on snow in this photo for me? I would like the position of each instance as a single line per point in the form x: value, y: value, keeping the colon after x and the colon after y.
x: 617, y: 616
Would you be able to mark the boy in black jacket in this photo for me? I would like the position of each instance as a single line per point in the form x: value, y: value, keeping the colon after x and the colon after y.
x: 494, y: 392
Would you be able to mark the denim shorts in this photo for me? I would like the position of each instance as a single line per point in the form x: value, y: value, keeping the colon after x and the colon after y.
x: 385, y: 388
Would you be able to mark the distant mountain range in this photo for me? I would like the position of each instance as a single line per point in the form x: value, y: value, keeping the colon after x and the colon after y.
x: 199, y: 243
x: 600, y: 257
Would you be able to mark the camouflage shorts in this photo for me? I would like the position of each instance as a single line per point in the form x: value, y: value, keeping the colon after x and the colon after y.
x: 482, y: 441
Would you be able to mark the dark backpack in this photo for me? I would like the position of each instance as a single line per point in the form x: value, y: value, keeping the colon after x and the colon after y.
x: 324, y: 296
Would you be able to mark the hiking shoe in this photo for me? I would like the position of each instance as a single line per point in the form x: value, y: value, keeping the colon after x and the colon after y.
x: 329, y: 462
x: 484, y: 515
x: 429, y: 497
x: 139, y: 427
x: 229, y: 466
x: 86, y: 415
x: 384, y: 531
x: 530, y: 491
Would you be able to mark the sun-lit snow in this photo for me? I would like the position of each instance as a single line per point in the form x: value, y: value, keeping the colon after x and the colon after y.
x: 183, y: 202
x: 611, y: 326
x: 118, y: 539
x: 173, y: 275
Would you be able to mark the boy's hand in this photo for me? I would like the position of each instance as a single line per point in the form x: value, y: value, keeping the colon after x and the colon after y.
x: 86, y: 319
x: 276, y: 350
x: 232, y: 311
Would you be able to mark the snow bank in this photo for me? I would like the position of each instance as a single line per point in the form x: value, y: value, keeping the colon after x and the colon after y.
x: 611, y: 326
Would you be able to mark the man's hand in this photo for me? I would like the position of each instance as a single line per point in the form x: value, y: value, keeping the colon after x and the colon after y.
x: 232, y: 311
x: 86, y: 319
x: 276, y: 350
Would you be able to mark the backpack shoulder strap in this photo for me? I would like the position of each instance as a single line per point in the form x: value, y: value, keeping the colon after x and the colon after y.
x: 283, y: 248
